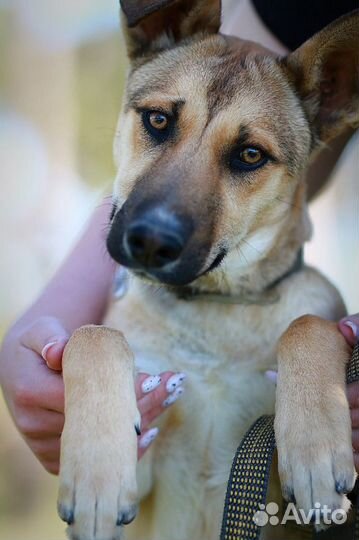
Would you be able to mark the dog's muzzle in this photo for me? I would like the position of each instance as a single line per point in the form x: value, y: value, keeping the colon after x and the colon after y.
x: 153, y: 243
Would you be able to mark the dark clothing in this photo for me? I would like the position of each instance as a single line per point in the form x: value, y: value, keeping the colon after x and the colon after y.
x: 294, y: 21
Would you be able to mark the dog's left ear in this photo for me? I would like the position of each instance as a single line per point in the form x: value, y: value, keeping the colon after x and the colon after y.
x: 325, y: 71
x: 154, y: 25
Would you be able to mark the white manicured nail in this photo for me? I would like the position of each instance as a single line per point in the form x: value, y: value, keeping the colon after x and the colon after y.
x: 173, y: 397
x: 353, y: 327
x: 174, y: 382
x: 272, y: 376
x: 150, y: 383
x: 148, y: 437
x: 46, y: 348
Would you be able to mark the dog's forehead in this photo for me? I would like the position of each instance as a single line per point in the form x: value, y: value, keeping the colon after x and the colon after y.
x: 235, y: 82
x: 221, y: 68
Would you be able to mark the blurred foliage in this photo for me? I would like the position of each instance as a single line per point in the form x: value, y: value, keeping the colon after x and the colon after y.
x: 27, y: 493
x: 5, y: 28
x: 100, y: 79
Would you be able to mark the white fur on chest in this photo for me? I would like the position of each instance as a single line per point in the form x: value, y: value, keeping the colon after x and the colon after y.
x: 224, y: 350
x: 170, y: 334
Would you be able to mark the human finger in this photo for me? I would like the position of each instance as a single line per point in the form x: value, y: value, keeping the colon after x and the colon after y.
x: 349, y: 327
x: 47, y: 337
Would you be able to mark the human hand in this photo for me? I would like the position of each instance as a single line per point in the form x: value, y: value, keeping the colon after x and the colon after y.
x: 30, y: 375
x: 154, y: 395
x: 349, y: 327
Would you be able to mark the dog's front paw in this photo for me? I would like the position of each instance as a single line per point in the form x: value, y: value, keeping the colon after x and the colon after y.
x: 97, y: 495
x: 316, y: 465
x: 98, y: 490
x: 312, y: 424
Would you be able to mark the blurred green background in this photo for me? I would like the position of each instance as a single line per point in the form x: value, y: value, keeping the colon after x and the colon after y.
x: 62, y: 70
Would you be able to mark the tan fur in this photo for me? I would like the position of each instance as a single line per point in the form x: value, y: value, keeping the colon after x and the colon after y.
x: 104, y: 483
x: 226, y: 89
x: 300, y: 464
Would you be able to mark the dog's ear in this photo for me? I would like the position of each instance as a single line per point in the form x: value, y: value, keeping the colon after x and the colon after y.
x: 136, y: 10
x: 325, y: 71
x: 154, y: 25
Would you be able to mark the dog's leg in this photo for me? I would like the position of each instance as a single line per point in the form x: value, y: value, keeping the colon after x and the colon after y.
x: 313, y: 427
x: 98, y: 489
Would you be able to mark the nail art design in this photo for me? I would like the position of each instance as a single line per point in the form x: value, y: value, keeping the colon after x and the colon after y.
x: 148, y: 437
x: 173, y: 397
x: 174, y: 382
x: 151, y: 383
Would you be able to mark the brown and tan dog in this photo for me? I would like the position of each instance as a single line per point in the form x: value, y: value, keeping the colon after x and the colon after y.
x: 210, y: 217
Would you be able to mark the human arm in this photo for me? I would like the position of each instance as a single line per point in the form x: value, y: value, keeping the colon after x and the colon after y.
x: 76, y: 295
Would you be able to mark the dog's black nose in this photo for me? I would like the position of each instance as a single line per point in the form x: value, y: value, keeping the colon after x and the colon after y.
x: 154, y: 244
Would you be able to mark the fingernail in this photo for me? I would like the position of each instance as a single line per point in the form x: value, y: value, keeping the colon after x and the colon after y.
x: 353, y: 327
x: 148, y: 437
x: 174, y: 382
x: 177, y: 393
x: 272, y: 376
x: 46, y: 349
x: 150, y: 383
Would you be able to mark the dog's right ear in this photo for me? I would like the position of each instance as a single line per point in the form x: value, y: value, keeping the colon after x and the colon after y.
x: 154, y: 25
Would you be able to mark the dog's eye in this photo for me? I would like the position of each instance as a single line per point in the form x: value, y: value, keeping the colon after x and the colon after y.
x: 158, y: 120
x: 247, y: 159
x: 157, y: 124
x: 251, y: 156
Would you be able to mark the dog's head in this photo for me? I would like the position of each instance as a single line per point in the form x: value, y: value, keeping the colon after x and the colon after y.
x: 214, y: 137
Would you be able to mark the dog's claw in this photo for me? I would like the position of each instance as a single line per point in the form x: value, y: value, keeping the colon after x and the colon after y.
x: 127, y: 516
x: 342, y: 488
x: 288, y: 494
x: 138, y: 429
x: 66, y: 514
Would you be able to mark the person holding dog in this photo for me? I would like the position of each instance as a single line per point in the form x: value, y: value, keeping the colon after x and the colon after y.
x: 30, y: 361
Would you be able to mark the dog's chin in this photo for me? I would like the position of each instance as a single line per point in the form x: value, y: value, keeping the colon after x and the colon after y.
x: 181, y: 276
x: 173, y: 279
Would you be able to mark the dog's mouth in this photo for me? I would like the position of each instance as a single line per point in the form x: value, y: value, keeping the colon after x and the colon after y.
x: 216, y: 263
x: 175, y: 281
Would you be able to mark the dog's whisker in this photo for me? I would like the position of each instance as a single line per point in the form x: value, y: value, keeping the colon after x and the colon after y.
x: 289, y: 203
x: 253, y: 247
x: 242, y: 254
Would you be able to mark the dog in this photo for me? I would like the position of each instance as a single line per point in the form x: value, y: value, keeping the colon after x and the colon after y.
x: 209, y: 218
